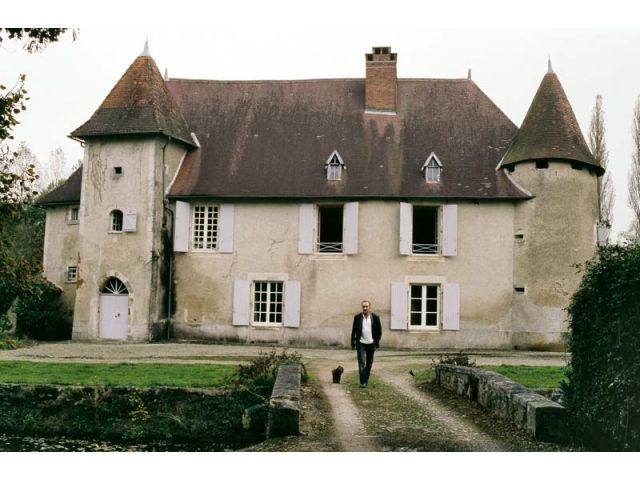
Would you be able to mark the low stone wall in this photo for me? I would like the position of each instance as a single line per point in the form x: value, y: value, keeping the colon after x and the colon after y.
x: 540, y: 417
x: 127, y: 414
x: 284, y: 406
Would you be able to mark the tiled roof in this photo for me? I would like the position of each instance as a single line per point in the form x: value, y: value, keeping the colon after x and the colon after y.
x: 68, y: 192
x: 550, y: 129
x: 138, y: 104
x: 272, y: 139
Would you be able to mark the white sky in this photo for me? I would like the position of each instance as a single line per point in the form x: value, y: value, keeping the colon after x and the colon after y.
x: 282, y: 39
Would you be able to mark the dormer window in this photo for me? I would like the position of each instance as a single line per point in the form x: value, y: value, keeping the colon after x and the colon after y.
x: 334, y: 166
x: 432, y: 169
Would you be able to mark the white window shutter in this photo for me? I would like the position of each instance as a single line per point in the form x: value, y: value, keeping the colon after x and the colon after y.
x: 399, y: 306
x: 241, y: 293
x: 450, y: 230
x: 225, y: 227
x: 451, y: 301
x: 181, y: 227
x: 306, y: 228
x: 350, y: 228
x: 406, y: 228
x: 292, y: 304
x: 129, y: 220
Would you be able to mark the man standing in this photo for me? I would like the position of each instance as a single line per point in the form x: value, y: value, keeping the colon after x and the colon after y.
x: 365, y: 338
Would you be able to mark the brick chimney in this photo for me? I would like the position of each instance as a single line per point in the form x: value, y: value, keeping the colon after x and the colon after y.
x: 380, y: 84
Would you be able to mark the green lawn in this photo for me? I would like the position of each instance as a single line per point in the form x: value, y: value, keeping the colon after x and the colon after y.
x: 121, y: 374
x: 531, y: 376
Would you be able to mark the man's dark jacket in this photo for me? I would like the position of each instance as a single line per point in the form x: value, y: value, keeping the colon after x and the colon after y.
x: 356, y: 330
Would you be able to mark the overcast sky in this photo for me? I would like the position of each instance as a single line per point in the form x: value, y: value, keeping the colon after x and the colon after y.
x: 294, y: 40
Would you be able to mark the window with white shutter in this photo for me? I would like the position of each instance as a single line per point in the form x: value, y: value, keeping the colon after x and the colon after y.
x: 306, y: 228
x: 181, y: 227
x: 241, y: 292
x: 130, y: 220
x: 351, y: 228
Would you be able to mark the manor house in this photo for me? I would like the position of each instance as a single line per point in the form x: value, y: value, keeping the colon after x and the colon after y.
x: 265, y: 211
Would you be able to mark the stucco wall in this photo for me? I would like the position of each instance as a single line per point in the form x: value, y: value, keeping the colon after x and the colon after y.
x: 332, y: 285
x: 558, y: 226
x: 61, y: 250
x: 133, y: 257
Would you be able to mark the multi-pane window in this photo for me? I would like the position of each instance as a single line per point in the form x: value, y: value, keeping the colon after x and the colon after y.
x: 425, y: 230
x: 330, y: 228
x: 72, y: 274
x: 205, y: 227
x: 425, y: 306
x: 116, y: 221
x: 268, y: 302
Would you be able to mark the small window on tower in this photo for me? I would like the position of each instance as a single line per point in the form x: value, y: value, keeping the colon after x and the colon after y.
x: 542, y: 163
x: 117, y: 170
x: 334, y: 166
x: 116, y: 221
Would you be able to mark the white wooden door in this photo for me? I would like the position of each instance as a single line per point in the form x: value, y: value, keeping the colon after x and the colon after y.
x: 114, y: 316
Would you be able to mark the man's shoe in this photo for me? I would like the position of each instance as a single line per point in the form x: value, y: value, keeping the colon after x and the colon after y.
x: 363, y: 385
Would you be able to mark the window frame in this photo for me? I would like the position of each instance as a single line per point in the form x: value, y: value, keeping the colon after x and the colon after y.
x: 432, y: 163
x: 334, y: 166
x: 70, y: 214
x: 209, y: 236
x: 438, y: 232
x: 329, y: 247
x: 279, y: 316
x: 112, y: 221
x: 424, y: 298
x: 67, y: 276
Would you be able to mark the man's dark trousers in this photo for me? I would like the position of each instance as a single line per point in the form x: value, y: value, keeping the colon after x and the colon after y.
x: 365, y: 360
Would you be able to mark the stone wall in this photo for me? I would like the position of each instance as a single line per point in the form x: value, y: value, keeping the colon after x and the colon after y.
x: 284, y: 406
x: 127, y: 414
x: 540, y: 417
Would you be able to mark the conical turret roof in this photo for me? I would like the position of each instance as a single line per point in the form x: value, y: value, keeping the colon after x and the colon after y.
x: 550, y: 129
x: 138, y: 104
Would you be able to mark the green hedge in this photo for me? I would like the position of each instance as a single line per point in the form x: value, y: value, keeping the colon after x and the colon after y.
x: 603, y: 389
x: 42, y: 316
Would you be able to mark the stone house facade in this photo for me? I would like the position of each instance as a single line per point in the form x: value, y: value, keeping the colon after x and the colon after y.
x: 265, y: 211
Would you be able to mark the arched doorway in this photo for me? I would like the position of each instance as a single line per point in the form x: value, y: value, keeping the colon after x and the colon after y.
x: 114, y: 310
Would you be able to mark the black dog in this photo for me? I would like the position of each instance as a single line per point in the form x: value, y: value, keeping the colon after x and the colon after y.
x: 337, y: 373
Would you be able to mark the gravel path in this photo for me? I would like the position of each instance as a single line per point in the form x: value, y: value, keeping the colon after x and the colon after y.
x: 461, y: 429
x: 348, y: 425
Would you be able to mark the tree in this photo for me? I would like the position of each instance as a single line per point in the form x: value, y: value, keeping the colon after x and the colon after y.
x: 58, y: 170
x: 606, y: 195
x: 634, y: 177
x: 16, y: 178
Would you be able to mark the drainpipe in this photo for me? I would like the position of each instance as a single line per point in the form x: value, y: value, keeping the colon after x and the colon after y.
x: 167, y: 210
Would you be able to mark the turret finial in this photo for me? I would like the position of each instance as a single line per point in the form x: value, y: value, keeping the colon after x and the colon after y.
x: 145, y: 51
x: 550, y: 69
x: 166, y: 73
x: 469, y: 75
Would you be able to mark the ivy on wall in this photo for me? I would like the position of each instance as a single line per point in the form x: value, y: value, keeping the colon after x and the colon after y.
x: 603, y: 389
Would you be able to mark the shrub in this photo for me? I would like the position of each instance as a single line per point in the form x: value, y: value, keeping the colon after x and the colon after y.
x: 459, y: 358
x: 602, y: 394
x: 41, y: 316
x: 259, y: 374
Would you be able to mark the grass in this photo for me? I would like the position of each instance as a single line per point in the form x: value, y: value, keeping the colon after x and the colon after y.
x: 532, y: 376
x: 526, y: 375
x: 117, y: 374
x: 11, y: 342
